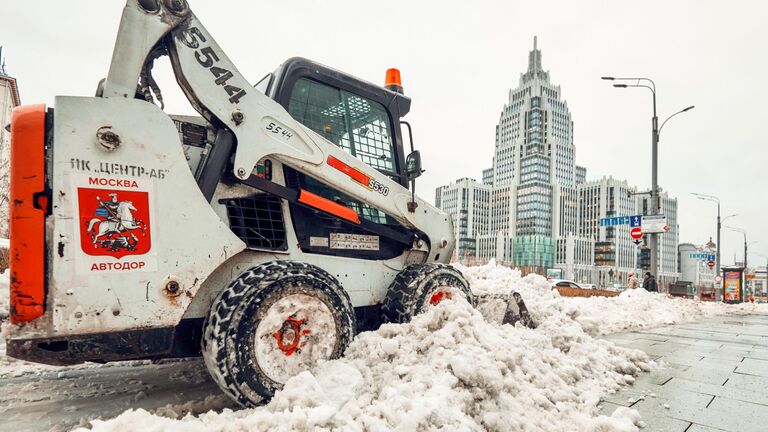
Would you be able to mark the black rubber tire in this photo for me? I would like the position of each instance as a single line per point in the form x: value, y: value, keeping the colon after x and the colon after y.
x: 227, y: 342
x: 408, y: 293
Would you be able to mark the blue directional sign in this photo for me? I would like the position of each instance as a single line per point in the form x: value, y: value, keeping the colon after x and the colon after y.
x: 632, y: 221
x: 702, y: 256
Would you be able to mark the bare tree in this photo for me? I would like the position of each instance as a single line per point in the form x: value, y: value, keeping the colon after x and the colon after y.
x: 5, y: 191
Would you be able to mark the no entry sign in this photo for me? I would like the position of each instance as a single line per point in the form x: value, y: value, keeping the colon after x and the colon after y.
x: 636, y: 233
x: 711, y: 264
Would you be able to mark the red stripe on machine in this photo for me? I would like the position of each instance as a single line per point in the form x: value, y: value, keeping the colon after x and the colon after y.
x: 328, y: 206
x: 353, y: 173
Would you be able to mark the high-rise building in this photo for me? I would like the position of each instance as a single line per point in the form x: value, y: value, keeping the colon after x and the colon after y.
x: 467, y: 201
x: 534, y: 175
x: 488, y: 176
x: 581, y: 174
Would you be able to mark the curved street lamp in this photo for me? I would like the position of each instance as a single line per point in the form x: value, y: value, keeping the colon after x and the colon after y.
x: 746, y: 245
x: 716, y: 200
x: 679, y: 112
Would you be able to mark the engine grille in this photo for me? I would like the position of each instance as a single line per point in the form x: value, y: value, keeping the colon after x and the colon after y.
x: 258, y: 221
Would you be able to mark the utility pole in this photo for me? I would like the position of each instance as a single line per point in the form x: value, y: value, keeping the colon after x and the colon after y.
x: 720, y: 221
x: 746, y: 245
x: 745, y: 253
x: 719, y: 227
x: 655, y: 207
x: 655, y: 131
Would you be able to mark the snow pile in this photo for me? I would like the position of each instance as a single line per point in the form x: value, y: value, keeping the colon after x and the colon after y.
x: 448, y: 369
x: 631, y: 310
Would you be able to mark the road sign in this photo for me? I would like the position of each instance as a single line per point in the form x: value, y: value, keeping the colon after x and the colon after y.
x: 632, y: 221
x: 702, y: 256
x: 654, y: 224
x: 710, y: 264
x: 636, y: 233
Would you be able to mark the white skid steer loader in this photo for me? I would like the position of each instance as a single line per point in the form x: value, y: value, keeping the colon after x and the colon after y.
x: 263, y: 235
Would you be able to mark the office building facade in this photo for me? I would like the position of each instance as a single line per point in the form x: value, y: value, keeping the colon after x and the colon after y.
x: 467, y: 201
x: 693, y: 268
x: 615, y: 254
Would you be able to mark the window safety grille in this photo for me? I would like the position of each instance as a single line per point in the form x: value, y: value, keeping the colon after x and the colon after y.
x: 358, y: 125
x: 258, y: 221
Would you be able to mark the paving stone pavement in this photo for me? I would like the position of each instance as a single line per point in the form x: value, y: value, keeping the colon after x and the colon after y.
x: 714, y: 378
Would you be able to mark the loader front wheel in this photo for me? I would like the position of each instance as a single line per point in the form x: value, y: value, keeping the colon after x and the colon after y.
x: 420, y: 286
x: 271, y: 323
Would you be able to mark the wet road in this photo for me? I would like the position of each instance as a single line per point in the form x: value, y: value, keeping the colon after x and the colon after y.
x: 36, y: 398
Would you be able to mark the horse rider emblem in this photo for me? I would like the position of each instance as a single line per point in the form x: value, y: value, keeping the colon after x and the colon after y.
x: 113, y: 225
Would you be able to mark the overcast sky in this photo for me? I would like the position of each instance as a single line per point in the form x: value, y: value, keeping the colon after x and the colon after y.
x: 459, y: 60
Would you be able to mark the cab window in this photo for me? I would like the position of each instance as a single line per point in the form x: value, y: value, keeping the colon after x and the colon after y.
x: 356, y: 124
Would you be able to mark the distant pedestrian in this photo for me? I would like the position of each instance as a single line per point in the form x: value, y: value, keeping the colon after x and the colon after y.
x: 649, y: 283
x: 632, y: 280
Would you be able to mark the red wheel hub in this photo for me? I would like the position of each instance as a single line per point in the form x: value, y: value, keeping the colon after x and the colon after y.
x: 438, y: 297
x: 289, y: 336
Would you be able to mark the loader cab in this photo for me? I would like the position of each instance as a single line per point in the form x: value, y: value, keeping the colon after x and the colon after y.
x: 361, y: 118
x: 358, y: 116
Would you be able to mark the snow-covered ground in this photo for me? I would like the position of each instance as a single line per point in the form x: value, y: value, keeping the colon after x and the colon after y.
x: 447, y: 370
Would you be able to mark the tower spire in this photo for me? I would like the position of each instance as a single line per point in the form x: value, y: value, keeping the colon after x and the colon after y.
x: 534, y: 58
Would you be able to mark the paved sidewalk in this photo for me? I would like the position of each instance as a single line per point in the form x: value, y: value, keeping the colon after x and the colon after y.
x: 715, y: 379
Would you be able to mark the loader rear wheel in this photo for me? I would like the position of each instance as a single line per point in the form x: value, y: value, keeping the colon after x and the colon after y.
x: 272, y: 322
x: 420, y: 286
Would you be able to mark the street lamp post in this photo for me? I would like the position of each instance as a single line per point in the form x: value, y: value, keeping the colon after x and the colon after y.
x: 655, y: 130
x: 719, y: 224
x: 746, y: 245
x: 746, y: 248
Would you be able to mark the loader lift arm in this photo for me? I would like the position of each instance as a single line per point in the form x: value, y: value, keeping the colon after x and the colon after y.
x: 261, y: 126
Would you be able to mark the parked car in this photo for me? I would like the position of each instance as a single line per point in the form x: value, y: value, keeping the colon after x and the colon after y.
x: 707, y: 294
x: 564, y: 283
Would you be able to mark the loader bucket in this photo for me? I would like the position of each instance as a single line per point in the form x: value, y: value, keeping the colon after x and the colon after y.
x: 504, y: 308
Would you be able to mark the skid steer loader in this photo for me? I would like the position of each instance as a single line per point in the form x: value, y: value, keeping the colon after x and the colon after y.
x: 263, y: 235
